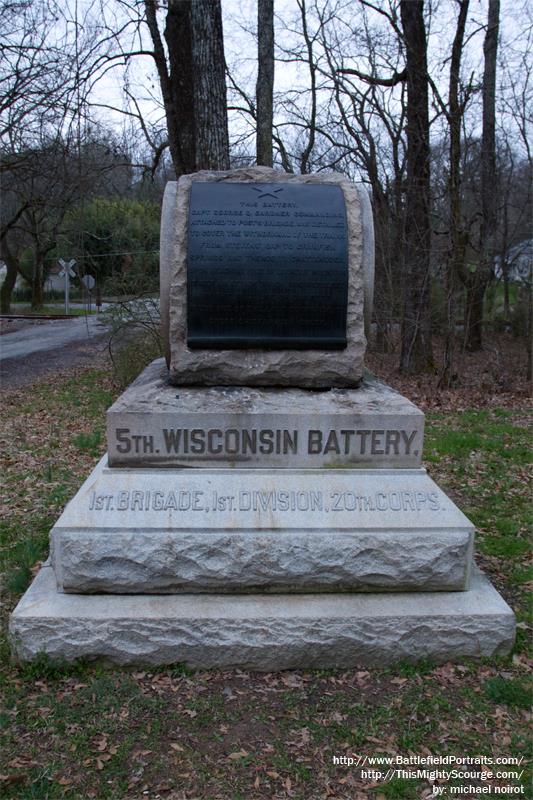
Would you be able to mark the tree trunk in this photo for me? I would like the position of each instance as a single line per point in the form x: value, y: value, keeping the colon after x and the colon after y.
x: 474, y: 316
x: 193, y: 83
x: 37, y: 284
x: 180, y: 115
x: 9, y: 281
x: 212, y: 139
x: 529, y: 330
x: 506, y: 299
x: 481, y: 277
x: 416, y: 352
x: 386, y: 252
x: 306, y: 155
x: 265, y: 81
x: 175, y: 79
x: 455, y: 261
x: 382, y: 306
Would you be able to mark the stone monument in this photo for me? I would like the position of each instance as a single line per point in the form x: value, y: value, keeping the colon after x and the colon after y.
x: 262, y: 503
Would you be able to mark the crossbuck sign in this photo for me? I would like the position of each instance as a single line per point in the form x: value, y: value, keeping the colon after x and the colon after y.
x: 67, y: 272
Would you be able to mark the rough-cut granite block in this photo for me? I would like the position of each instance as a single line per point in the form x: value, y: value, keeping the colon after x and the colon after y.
x: 134, y: 562
x: 266, y: 530
x: 261, y: 632
x: 152, y: 424
x: 255, y: 367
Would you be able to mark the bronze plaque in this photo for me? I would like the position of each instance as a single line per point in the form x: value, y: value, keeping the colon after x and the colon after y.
x: 267, y: 266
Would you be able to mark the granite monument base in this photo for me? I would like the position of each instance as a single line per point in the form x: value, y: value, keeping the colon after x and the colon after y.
x: 261, y: 632
x: 237, y: 530
x: 153, y: 424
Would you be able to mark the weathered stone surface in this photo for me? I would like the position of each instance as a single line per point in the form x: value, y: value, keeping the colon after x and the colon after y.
x: 261, y: 500
x: 246, y: 530
x: 254, y: 367
x: 368, y: 255
x: 134, y: 562
x: 261, y: 632
x: 372, y: 426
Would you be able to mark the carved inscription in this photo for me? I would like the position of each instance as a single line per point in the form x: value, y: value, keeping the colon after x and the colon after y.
x: 267, y: 266
x: 259, y: 501
x: 220, y: 442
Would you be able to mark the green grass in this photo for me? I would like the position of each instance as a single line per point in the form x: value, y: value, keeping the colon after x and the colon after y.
x: 514, y: 693
x: 89, y: 441
x: 24, y: 555
x: 505, y: 545
x: 483, y: 457
x: 460, y: 435
x: 50, y: 310
x: 401, y: 789
x: 49, y: 454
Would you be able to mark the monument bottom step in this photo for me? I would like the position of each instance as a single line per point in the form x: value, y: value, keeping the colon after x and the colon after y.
x: 261, y: 632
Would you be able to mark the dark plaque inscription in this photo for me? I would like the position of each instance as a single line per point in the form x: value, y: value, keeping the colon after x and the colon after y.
x: 267, y: 266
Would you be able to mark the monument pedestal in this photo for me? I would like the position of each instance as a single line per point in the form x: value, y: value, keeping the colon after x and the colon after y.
x: 318, y: 559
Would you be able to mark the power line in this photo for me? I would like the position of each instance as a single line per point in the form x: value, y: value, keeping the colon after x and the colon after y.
x: 105, y: 255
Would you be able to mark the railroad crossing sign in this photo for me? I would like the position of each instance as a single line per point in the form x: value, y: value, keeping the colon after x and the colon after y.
x: 67, y: 267
x: 67, y: 272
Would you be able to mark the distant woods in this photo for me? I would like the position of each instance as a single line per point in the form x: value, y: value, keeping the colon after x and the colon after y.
x: 426, y: 104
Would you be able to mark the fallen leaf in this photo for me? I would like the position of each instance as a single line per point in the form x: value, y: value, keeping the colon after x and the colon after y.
x: 238, y: 754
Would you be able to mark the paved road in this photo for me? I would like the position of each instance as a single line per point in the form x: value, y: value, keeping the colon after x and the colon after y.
x: 48, y: 335
x: 38, y: 347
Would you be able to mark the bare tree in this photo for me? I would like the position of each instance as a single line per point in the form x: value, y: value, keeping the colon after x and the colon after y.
x: 43, y: 74
x: 49, y: 180
x: 478, y: 279
x: 366, y: 123
x: 454, y: 112
x: 35, y: 77
x: 176, y: 79
x: 265, y: 81
x: 39, y: 190
x: 416, y: 350
x: 416, y: 354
